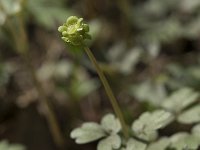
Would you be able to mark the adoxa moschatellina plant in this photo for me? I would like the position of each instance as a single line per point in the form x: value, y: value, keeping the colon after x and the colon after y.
x: 75, y: 33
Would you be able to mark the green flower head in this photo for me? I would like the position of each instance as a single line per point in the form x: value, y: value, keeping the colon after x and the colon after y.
x: 74, y: 31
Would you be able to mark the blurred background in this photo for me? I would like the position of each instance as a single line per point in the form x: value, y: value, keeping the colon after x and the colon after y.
x: 147, y: 49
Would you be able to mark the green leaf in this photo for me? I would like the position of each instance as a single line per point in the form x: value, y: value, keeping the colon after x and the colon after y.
x: 110, y: 143
x: 190, y: 6
x: 196, y: 130
x: 133, y: 144
x: 129, y: 61
x: 11, y: 7
x: 184, y: 140
x: 111, y: 124
x: 147, y: 135
x: 4, y: 145
x: 147, y: 124
x: 84, y: 87
x: 47, y: 12
x: 191, y: 115
x: 88, y: 132
x: 180, y: 100
x: 2, y: 17
x: 149, y: 91
x: 161, y: 144
x: 6, y: 70
x: 8, y: 8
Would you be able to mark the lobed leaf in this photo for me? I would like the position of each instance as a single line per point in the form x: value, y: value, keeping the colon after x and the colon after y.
x: 4, y: 145
x: 88, y: 132
x: 111, y: 124
x: 196, y: 130
x: 161, y: 144
x: 180, y: 100
x: 133, y: 144
x: 149, y: 91
x: 110, y: 143
x: 184, y: 140
x: 191, y: 115
x: 11, y: 7
x: 148, y: 123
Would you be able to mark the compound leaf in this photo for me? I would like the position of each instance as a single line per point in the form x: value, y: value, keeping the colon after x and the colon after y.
x: 148, y: 123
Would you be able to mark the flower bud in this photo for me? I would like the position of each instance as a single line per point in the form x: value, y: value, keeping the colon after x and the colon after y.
x: 74, y: 31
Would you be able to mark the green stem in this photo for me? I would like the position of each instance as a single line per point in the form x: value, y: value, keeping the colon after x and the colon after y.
x: 50, y: 116
x: 22, y: 49
x: 124, y: 6
x: 109, y: 92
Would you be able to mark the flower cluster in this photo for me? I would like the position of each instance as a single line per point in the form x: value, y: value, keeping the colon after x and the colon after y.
x: 74, y: 31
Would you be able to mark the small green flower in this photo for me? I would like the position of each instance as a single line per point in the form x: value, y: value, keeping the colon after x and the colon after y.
x: 74, y: 31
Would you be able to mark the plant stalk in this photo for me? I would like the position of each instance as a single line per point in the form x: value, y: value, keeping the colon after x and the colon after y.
x: 109, y: 92
x: 50, y: 116
x: 22, y: 49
